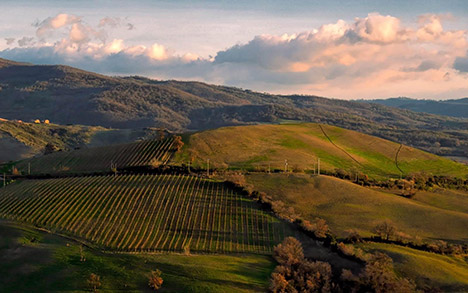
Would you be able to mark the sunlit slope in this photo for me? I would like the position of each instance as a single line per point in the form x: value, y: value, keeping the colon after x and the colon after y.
x: 260, y: 146
x: 145, y: 213
x: 427, y: 269
x: 348, y: 206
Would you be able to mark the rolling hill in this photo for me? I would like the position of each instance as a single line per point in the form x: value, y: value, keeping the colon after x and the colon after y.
x: 19, y: 140
x: 454, y: 108
x: 259, y: 147
x: 347, y: 206
x: 68, y: 95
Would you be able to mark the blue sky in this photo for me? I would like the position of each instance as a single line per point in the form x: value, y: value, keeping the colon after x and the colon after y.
x: 346, y: 49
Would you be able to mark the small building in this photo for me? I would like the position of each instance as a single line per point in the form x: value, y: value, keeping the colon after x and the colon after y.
x: 37, y: 121
x: 46, y: 121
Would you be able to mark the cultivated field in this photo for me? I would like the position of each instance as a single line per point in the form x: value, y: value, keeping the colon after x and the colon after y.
x: 257, y: 147
x: 348, y: 206
x: 145, y: 213
x: 144, y: 153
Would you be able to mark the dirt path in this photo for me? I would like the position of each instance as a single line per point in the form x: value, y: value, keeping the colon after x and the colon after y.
x: 396, y: 159
x: 338, y: 147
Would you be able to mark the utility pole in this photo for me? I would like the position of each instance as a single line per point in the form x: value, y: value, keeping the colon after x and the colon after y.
x: 285, y: 166
x: 208, y: 168
x: 318, y: 166
x: 189, y: 166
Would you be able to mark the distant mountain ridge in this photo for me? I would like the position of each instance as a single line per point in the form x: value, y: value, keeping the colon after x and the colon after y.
x: 67, y: 95
x: 453, y: 107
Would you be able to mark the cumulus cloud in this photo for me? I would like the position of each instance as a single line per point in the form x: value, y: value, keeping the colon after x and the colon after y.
x: 115, y: 22
x: 372, y: 56
x: 26, y: 41
x: 10, y: 41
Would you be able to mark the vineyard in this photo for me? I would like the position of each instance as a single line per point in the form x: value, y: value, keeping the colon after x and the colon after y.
x: 144, y: 153
x: 145, y: 213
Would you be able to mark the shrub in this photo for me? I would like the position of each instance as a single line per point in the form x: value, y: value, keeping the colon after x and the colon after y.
x: 155, y: 280
x: 94, y: 282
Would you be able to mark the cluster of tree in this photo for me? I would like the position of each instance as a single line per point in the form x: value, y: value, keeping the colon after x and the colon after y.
x: 295, y: 273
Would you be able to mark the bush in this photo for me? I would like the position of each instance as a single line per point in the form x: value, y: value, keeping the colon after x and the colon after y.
x: 155, y: 280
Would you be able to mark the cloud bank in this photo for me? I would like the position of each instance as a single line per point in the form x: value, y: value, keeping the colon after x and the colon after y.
x: 373, y: 56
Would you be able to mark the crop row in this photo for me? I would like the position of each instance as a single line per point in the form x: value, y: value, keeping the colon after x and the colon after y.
x: 145, y: 213
x: 142, y: 153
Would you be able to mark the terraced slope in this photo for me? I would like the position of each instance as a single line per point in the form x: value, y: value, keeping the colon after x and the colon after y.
x: 260, y: 146
x: 145, y: 213
x: 144, y: 153
x: 346, y: 206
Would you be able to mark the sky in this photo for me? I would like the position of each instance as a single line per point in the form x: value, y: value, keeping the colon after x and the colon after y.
x: 339, y: 49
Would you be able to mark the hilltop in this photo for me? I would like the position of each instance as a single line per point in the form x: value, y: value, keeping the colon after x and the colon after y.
x: 259, y: 147
x: 68, y: 95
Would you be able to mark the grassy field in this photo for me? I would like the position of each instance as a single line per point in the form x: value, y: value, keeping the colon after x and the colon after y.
x: 89, y: 160
x: 349, y: 206
x: 32, y: 261
x: 447, y: 273
x: 145, y: 213
x: 259, y: 146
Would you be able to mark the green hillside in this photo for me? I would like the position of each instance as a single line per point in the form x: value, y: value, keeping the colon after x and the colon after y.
x: 59, y: 93
x: 347, y: 206
x: 428, y: 270
x: 35, y: 261
x: 257, y: 147
x: 145, y: 213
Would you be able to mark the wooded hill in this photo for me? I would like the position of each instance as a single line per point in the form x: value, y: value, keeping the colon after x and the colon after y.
x: 67, y: 95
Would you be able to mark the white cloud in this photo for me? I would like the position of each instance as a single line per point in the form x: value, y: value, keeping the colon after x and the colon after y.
x: 373, y: 56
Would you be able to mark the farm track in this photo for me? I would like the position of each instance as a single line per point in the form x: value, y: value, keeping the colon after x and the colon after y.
x: 150, y: 213
x: 337, y: 146
x: 396, y: 158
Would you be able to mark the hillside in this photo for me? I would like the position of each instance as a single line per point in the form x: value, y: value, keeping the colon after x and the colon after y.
x: 67, y: 95
x: 19, y: 140
x: 259, y: 147
x: 428, y: 270
x: 347, y: 206
x: 36, y: 261
x: 145, y: 153
x: 454, y: 108
x: 145, y: 213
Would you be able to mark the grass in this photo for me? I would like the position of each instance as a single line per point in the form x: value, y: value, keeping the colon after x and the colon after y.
x: 348, y: 206
x: 52, y: 263
x: 257, y: 146
x: 448, y: 273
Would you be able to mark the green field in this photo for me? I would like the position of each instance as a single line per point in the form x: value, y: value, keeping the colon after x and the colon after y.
x: 33, y: 261
x: 348, y: 206
x: 145, y: 213
x: 257, y: 147
x: 96, y: 159
x: 447, y: 273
